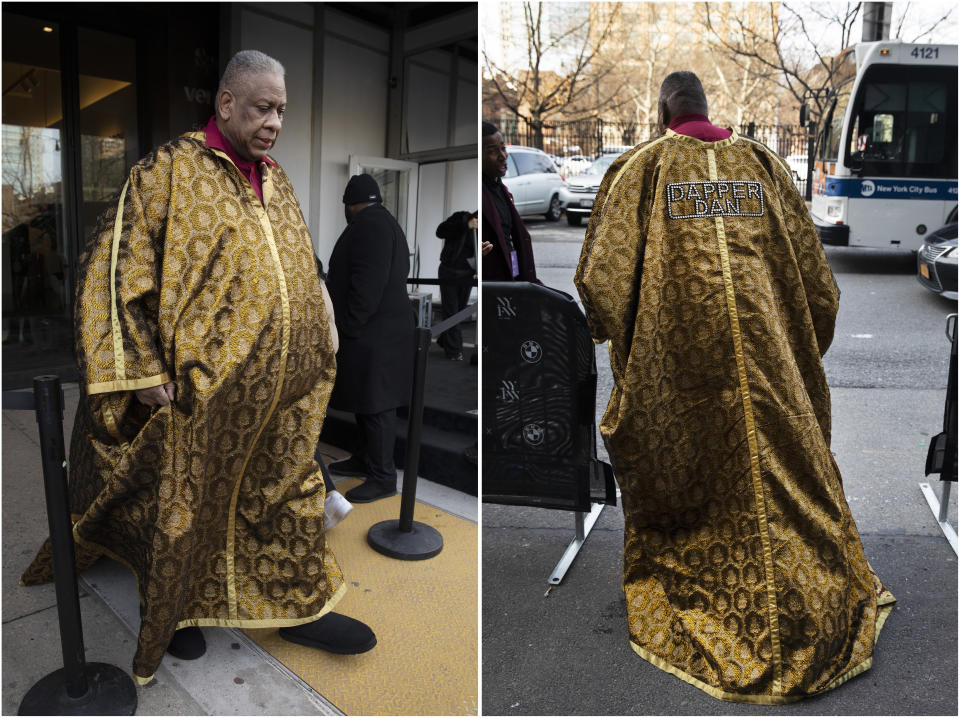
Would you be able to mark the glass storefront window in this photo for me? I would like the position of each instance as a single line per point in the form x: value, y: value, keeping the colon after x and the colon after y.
x: 36, y: 325
x: 39, y: 255
x: 108, y: 118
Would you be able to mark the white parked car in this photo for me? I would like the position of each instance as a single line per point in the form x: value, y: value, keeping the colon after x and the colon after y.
x: 534, y: 182
x: 575, y: 165
x: 577, y: 197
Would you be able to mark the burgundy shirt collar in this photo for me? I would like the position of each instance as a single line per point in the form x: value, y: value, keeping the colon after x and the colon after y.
x: 699, y: 126
x: 216, y: 140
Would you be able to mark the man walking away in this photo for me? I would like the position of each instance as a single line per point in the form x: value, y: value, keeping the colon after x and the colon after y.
x: 743, y: 570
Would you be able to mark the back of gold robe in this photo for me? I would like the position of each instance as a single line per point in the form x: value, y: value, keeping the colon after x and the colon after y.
x: 743, y: 570
x: 214, y: 502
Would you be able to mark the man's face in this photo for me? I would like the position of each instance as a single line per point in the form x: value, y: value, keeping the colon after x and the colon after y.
x: 252, y: 117
x: 494, y: 156
x: 350, y: 211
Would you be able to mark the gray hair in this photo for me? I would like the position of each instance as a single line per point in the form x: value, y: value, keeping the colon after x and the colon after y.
x: 241, y: 66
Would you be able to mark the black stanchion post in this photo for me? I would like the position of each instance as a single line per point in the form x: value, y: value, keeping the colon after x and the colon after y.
x: 408, y: 498
x: 407, y: 539
x: 46, y: 393
x: 79, y: 688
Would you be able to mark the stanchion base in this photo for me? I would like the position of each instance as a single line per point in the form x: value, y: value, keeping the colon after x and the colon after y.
x: 421, y: 543
x: 110, y: 692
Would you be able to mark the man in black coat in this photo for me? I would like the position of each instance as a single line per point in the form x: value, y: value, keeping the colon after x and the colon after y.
x: 367, y: 281
x: 457, y: 263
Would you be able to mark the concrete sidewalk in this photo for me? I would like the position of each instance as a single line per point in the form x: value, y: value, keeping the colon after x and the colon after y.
x: 238, y: 677
x: 567, y: 652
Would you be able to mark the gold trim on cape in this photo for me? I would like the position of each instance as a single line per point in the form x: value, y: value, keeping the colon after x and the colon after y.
x: 626, y: 165
x: 763, y: 529
x: 120, y: 364
x: 884, y: 607
x: 102, y: 387
x: 328, y: 606
x: 704, y: 143
x: 284, y: 351
x: 111, y: 423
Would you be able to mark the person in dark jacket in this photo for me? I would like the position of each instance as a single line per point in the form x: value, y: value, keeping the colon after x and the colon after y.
x: 507, y: 249
x: 367, y: 281
x: 457, y: 264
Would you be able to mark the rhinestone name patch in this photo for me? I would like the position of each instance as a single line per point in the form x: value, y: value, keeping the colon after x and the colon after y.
x: 722, y: 198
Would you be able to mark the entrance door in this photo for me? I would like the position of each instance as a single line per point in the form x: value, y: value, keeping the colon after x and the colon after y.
x: 36, y: 304
x: 398, y: 183
x: 75, y: 145
x: 108, y: 119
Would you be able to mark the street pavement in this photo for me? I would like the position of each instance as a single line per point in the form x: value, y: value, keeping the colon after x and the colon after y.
x: 566, y: 651
x: 234, y: 677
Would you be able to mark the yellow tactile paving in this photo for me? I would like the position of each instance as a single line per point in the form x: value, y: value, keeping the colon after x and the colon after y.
x: 423, y: 612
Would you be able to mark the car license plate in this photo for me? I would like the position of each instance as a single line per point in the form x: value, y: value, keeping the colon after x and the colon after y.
x: 925, y: 271
x: 586, y: 203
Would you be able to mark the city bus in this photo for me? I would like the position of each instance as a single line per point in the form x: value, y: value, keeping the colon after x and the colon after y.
x: 887, y: 168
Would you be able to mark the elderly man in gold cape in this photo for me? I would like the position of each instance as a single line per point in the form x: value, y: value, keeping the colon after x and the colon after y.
x: 743, y: 570
x: 206, y: 353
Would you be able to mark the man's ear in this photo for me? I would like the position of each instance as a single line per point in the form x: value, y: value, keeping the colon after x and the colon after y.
x: 663, y: 115
x: 226, y: 104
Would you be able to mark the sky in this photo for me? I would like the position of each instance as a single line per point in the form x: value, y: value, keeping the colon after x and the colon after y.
x: 920, y: 16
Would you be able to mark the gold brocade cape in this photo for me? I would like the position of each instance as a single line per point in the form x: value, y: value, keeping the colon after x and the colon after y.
x: 743, y: 569
x: 214, y: 502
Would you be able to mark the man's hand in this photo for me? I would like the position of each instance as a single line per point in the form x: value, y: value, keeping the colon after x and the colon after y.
x: 156, y: 395
x: 486, y: 248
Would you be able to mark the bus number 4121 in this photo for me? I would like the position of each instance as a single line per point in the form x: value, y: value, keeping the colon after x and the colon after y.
x: 926, y: 53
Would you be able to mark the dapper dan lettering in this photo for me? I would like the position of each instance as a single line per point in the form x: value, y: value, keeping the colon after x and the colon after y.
x: 723, y: 198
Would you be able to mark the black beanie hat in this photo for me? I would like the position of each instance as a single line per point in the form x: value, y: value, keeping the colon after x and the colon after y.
x: 361, y: 188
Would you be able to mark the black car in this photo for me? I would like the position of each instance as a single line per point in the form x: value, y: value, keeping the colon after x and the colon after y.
x: 937, y: 259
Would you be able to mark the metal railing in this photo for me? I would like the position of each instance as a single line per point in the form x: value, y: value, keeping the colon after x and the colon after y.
x: 594, y: 136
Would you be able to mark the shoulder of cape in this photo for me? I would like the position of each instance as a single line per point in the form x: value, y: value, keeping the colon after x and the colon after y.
x: 197, y: 142
x: 628, y: 159
x: 166, y: 154
x: 761, y: 148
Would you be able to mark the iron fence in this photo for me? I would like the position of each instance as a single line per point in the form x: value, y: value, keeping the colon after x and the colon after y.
x: 566, y: 142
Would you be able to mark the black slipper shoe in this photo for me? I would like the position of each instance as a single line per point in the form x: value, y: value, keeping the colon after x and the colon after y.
x: 354, y: 466
x: 334, y: 633
x: 370, y: 490
x: 187, y: 644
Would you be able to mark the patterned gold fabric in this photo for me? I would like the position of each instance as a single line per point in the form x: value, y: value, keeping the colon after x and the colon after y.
x: 742, y: 566
x: 214, y: 502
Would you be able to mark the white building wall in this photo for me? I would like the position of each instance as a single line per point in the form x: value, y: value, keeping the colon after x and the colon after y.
x: 354, y: 121
x: 445, y: 187
x: 290, y: 42
x: 352, y: 77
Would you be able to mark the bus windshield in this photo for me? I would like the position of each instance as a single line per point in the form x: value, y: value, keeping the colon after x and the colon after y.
x: 833, y: 131
x: 904, y: 123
